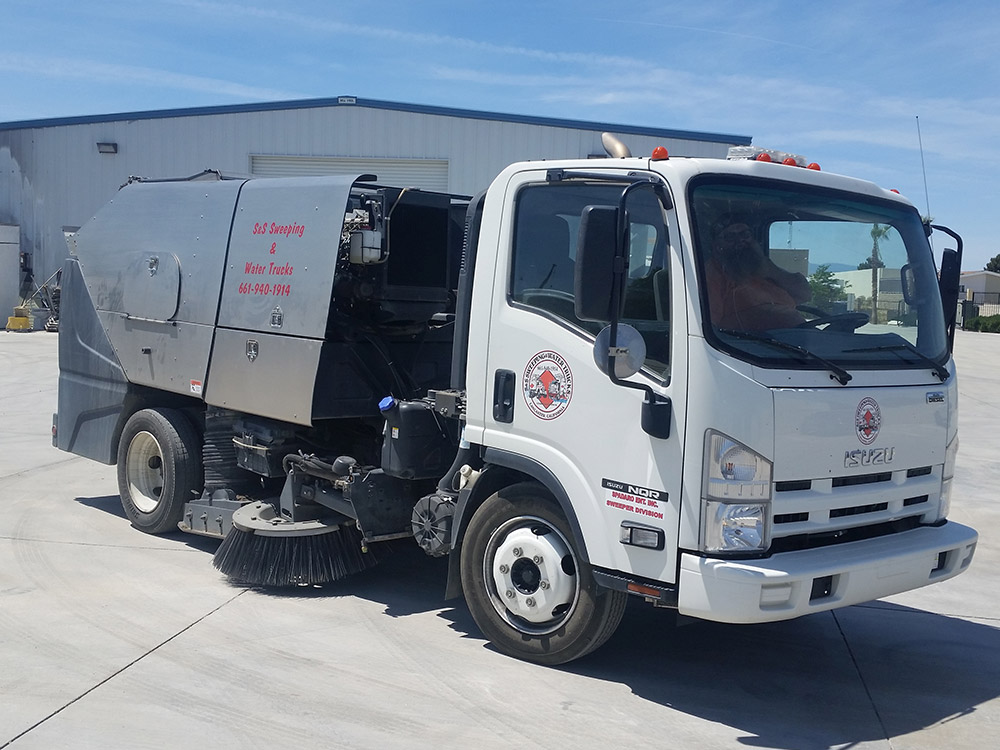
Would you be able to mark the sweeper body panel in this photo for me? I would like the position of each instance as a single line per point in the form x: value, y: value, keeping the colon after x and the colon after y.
x: 266, y: 316
x: 619, y: 382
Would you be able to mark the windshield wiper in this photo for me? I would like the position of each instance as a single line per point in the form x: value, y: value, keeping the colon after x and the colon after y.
x: 837, y: 372
x: 939, y: 370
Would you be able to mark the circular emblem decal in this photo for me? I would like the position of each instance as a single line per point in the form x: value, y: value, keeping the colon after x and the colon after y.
x: 547, y: 385
x: 867, y: 421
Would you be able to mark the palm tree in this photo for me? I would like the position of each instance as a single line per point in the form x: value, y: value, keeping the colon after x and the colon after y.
x: 879, y: 231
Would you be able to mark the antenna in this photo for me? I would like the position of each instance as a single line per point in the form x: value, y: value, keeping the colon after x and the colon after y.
x: 923, y: 168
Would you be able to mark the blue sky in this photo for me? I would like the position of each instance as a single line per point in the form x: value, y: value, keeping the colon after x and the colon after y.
x: 842, y: 83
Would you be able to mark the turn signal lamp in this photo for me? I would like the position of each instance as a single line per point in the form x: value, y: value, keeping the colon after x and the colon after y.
x: 643, y: 590
x: 660, y: 154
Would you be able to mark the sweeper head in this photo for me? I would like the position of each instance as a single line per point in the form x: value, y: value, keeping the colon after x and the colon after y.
x: 263, y: 549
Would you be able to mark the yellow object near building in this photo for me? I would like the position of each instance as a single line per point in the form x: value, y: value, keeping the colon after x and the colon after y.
x: 17, y: 323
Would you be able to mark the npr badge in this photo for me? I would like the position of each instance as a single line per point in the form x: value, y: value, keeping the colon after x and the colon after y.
x: 867, y: 421
x: 547, y: 385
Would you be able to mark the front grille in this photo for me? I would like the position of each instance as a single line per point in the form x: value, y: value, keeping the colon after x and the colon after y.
x: 840, y: 536
x: 796, y: 486
x: 818, y: 512
x: 791, y: 517
x: 885, y: 476
x: 857, y: 510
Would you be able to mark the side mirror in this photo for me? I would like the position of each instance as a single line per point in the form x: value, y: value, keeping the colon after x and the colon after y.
x: 599, y: 286
x: 949, y: 279
x: 948, y: 283
x: 908, y: 283
x: 594, y: 281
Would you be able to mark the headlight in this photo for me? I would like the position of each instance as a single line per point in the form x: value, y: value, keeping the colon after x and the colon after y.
x: 948, y: 473
x: 736, y: 497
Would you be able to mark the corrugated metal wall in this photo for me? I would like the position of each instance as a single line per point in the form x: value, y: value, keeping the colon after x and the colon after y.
x: 52, y: 176
x: 429, y: 174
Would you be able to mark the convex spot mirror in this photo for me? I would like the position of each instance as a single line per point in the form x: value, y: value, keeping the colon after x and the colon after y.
x: 630, y: 351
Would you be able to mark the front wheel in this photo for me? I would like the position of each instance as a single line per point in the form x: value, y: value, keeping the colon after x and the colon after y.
x: 159, y: 468
x: 528, y: 589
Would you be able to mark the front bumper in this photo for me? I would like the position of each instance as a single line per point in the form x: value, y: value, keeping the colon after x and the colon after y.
x: 792, y: 584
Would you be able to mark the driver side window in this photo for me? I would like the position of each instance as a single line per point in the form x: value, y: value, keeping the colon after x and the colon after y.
x: 547, y: 219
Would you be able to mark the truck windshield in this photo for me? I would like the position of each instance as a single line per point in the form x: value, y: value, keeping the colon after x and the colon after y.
x: 847, y: 279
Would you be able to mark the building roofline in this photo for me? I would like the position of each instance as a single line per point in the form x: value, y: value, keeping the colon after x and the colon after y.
x: 351, y: 101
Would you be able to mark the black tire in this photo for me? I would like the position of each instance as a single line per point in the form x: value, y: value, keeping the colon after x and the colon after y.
x: 159, y: 468
x: 550, y: 610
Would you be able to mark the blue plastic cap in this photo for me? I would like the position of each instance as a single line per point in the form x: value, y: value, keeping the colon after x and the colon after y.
x: 387, y: 403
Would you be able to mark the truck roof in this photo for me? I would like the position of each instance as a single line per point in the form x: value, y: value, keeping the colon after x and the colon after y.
x: 687, y: 167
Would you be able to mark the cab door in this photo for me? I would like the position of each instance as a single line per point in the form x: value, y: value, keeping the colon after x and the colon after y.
x: 550, y: 403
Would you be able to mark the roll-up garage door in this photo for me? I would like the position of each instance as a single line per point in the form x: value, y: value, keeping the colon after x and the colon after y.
x: 429, y: 174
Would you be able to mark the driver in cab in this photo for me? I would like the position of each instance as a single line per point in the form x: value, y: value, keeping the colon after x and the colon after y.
x: 747, y: 291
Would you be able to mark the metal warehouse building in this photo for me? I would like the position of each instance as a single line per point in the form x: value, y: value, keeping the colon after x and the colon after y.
x: 54, y: 174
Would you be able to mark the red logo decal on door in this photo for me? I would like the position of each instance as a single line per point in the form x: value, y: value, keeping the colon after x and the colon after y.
x: 547, y: 385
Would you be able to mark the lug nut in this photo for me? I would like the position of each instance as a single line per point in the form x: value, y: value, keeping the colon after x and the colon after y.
x: 543, y: 585
x: 504, y: 569
x: 516, y: 551
x: 537, y: 559
x: 510, y: 593
x: 530, y: 601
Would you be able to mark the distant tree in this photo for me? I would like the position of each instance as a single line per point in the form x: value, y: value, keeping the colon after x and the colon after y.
x: 879, y: 231
x: 826, y: 289
x: 993, y: 264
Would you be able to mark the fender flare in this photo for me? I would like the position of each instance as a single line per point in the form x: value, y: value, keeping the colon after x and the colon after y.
x: 513, y: 468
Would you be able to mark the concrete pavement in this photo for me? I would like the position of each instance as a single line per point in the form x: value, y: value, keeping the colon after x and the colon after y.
x: 113, y: 639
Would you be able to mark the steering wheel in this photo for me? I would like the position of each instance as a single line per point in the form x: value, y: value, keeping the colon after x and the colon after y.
x: 844, y: 322
x: 548, y: 293
x: 554, y: 300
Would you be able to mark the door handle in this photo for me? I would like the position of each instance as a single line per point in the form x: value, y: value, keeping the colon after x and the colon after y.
x: 503, y: 395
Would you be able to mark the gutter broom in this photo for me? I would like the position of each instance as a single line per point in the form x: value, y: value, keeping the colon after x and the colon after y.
x: 262, y: 549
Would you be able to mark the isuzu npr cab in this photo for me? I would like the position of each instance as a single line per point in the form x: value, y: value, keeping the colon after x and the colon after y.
x: 664, y: 377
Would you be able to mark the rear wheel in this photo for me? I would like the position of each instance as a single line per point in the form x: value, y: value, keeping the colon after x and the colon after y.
x: 159, y: 468
x: 527, y: 587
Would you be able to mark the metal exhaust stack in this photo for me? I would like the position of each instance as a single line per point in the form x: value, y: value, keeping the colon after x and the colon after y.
x: 614, y: 146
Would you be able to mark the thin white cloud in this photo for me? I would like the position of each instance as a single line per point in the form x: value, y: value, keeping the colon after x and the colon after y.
x: 66, y: 68
x: 319, y: 25
x: 491, y: 77
x: 705, y: 30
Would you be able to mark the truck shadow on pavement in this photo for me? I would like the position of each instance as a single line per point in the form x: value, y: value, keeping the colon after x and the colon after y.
x: 112, y: 505
x: 862, y: 674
